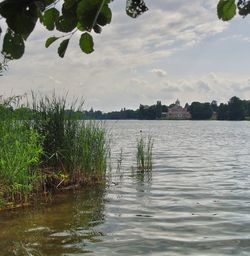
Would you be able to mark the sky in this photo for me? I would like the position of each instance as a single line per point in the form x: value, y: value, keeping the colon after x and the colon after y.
x: 177, y: 49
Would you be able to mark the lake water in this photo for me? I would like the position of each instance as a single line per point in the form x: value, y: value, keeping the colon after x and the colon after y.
x: 196, y: 201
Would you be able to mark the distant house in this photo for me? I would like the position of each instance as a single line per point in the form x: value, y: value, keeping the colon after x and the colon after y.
x: 177, y: 112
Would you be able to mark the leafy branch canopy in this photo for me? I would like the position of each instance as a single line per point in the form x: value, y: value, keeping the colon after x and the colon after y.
x: 66, y: 17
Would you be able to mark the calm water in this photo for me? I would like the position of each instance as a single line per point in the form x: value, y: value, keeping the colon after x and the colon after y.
x: 195, y: 202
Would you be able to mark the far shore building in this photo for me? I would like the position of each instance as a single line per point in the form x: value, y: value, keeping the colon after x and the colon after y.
x: 177, y: 112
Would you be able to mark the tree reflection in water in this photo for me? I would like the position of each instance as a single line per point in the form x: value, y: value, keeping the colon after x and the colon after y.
x: 65, y: 226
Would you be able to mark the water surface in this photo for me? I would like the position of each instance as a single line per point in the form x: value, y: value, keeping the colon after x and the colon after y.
x: 196, y: 201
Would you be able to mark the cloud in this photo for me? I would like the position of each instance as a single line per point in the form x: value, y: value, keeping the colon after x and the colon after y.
x: 117, y: 74
x: 159, y: 72
x: 203, y: 86
x: 244, y: 89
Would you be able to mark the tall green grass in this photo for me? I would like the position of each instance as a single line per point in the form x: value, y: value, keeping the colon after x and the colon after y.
x: 49, y: 120
x: 76, y: 147
x: 45, y: 142
x: 20, y: 150
x: 85, y: 150
x: 91, y: 150
x: 144, y: 148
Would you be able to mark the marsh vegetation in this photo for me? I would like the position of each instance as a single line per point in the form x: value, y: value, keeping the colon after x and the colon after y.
x: 47, y: 148
x: 144, y: 153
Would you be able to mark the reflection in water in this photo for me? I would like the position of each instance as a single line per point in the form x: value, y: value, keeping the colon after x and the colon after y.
x: 196, y: 201
x: 143, y: 180
x: 64, y: 227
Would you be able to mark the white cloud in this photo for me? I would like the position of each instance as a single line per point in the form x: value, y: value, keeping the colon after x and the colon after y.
x: 159, y: 72
x: 116, y: 74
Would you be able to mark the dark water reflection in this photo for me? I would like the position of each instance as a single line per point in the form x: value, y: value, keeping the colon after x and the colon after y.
x: 64, y: 227
x: 195, y: 202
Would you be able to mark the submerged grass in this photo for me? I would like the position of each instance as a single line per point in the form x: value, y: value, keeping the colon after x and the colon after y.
x: 144, y: 153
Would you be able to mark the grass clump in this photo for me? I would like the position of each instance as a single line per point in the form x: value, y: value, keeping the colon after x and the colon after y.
x: 20, y: 151
x: 94, y: 148
x: 144, y: 153
x: 84, y: 151
x: 50, y: 120
x: 46, y: 145
x: 74, y: 146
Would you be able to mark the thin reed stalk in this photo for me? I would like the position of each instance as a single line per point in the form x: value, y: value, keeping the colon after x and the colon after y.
x: 144, y: 153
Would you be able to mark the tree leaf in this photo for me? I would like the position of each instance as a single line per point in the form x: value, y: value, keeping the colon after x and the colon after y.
x: 21, y: 16
x: 66, y: 23
x: 48, y: 2
x: 97, y: 29
x: 226, y: 9
x: 86, y: 12
x: 86, y: 43
x: 69, y: 4
x: 50, y: 41
x: 63, y: 47
x: 243, y: 7
x: 50, y: 17
x: 13, y: 45
x: 80, y: 27
x: 105, y: 16
x: 135, y: 8
x: 69, y: 7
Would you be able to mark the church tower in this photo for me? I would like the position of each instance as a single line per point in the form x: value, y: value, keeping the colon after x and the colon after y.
x: 177, y: 103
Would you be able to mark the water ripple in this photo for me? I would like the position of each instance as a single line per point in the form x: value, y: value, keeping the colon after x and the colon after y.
x: 195, y: 202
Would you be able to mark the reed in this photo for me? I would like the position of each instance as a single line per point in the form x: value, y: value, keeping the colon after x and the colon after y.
x: 49, y: 119
x: 92, y: 150
x: 144, y: 153
x: 20, y: 152
x: 46, y: 145
x: 71, y: 145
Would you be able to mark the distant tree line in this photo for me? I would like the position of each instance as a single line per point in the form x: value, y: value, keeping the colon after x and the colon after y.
x: 235, y: 109
x: 144, y: 112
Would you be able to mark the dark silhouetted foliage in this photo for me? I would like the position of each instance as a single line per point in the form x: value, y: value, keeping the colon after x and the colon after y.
x: 235, y: 109
x: 222, y: 113
x: 201, y: 111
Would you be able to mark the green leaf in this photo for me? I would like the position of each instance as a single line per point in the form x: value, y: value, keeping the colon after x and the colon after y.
x: 86, y: 12
x: 69, y: 7
x: 93, y: 11
x: 66, y: 23
x: 50, y: 41
x: 13, y: 45
x: 48, y: 2
x: 105, y: 16
x: 226, y: 9
x: 50, y: 17
x: 69, y: 4
x: 86, y: 43
x: 63, y: 47
x: 80, y: 27
x: 21, y: 16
